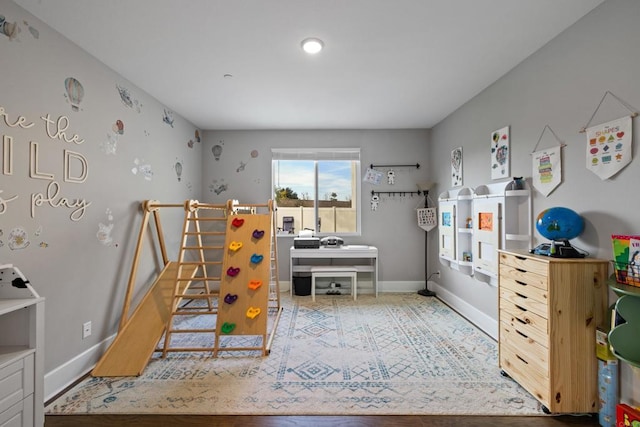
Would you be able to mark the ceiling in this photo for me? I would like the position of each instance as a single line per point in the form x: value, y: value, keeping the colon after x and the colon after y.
x: 387, y: 64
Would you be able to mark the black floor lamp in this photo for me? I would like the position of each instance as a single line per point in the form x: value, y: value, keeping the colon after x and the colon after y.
x: 425, y: 187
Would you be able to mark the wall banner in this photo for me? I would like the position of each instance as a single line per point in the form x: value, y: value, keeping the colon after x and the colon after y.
x: 609, y: 147
x: 547, y: 169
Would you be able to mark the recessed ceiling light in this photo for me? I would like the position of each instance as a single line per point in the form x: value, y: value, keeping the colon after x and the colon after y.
x: 312, y: 45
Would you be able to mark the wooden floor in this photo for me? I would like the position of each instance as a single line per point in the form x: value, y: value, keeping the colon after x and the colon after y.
x: 314, y: 421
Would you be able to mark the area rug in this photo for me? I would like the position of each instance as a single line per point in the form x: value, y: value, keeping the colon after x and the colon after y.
x: 398, y: 354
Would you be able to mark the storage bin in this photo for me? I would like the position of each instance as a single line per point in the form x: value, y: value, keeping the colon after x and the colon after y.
x: 302, y: 285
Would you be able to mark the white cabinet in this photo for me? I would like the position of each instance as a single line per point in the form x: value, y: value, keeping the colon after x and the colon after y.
x: 21, y: 355
x: 455, y: 229
x: 475, y: 224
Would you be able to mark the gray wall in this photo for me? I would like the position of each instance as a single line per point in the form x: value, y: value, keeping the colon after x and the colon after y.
x: 392, y: 228
x: 560, y: 86
x: 81, y: 277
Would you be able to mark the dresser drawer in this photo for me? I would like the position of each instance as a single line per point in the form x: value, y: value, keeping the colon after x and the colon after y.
x: 534, y: 353
x: 523, y: 302
x: 19, y: 415
x: 16, y: 381
x: 527, y: 322
x: 525, y: 278
x: 518, y: 367
x: 523, y: 288
x: 526, y: 264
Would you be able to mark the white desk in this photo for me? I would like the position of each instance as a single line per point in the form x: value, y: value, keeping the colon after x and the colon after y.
x: 363, y: 258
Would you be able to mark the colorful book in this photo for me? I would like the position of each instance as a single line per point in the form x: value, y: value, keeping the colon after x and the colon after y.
x: 626, y: 258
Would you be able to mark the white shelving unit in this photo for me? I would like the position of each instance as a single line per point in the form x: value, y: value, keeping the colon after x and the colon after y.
x: 475, y: 224
x: 21, y: 350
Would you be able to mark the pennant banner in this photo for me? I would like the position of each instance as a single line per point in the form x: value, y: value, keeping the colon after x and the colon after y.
x: 547, y: 169
x: 609, y: 147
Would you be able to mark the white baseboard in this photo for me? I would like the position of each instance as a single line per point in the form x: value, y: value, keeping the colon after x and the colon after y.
x: 475, y: 316
x: 66, y: 374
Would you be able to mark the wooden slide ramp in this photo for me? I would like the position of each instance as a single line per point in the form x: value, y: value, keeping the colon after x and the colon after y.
x: 131, y: 350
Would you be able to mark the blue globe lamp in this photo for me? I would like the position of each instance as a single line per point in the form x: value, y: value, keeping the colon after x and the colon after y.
x: 559, y: 225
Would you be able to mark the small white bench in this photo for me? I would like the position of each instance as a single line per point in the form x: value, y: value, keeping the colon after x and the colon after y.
x: 334, y: 271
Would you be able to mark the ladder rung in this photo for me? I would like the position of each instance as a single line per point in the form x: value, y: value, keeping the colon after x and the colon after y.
x: 206, y: 219
x: 190, y: 331
x: 197, y: 296
x: 201, y: 247
x: 200, y: 263
x: 186, y: 279
x: 205, y: 233
x: 184, y: 349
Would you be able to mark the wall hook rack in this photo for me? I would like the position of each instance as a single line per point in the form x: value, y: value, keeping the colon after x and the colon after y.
x: 393, y: 193
x: 417, y: 166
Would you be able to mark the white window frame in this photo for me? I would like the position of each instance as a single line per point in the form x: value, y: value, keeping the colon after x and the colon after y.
x: 320, y: 154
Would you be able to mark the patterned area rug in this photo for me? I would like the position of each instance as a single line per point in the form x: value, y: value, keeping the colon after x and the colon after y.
x: 399, y: 354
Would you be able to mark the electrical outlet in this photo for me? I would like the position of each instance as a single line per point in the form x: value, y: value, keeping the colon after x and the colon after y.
x: 86, y: 329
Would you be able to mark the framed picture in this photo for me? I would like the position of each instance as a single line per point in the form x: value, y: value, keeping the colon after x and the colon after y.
x: 500, y: 153
x: 456, y: 167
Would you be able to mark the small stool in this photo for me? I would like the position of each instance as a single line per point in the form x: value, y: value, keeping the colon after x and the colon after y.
x: 334, y: 271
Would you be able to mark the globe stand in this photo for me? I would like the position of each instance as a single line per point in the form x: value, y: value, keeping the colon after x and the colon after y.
x: 557, y: 249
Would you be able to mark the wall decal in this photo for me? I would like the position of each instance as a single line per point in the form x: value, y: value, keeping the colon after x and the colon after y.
x: 217, y: 150
x: 110, y: 145
x: 142, y: 169
x: 456, y: 167
x: 68, y: 156
x: 126, y: 99
x: 168, y: 117
x: 9, y: 29
x: 1, y: 234
x: 38, y: 231
x: 74, y: 92
x: 254, y: 154
x: 178, y: 168
x: 241, y: 167
x: 4, y: 201
x: 197, y: 135
x: 104, y: 231
x: 34, y: 32
x: 79, y: 206
x: 18, y: 239
x: 500, y: 153
x: 218, y: 187
x: 44, y: 245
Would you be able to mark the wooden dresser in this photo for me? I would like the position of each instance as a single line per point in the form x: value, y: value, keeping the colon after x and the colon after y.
x: 549, y: 309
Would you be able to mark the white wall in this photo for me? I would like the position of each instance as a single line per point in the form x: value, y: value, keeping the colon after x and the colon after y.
x: 560, y: 86
x: 82, y: 278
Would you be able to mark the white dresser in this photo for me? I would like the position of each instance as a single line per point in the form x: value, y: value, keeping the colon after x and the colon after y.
x: 21, y: 355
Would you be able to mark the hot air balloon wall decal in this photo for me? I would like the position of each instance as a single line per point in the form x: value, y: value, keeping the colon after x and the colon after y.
x: 74, y: 92
x: 217, y: 151
x: 178, y: 168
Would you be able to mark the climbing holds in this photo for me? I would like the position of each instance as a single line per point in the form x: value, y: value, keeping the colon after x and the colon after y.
x: 252, y: 312
x: 255, y: 284
x: 255, y: 258
x: 234, y: 246
x: 258, y: 234
x: 237, y: 222
x: 233, y: 271
x: 230, y: 299
x: 227, y: 327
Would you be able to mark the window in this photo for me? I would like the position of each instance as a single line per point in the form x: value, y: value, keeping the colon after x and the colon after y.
x: 317, y: 189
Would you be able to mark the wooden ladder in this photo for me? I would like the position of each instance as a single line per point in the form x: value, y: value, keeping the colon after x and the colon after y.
x: 205, y: 258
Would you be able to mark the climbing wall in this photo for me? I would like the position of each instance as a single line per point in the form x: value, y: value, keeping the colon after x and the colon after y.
x: 244, y: 285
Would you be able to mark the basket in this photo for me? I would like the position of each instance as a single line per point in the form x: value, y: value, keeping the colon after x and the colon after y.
x: 627, y: 273
x: 427, y: 218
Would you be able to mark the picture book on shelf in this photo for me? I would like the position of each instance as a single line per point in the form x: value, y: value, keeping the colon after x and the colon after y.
x: 626, y: 258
